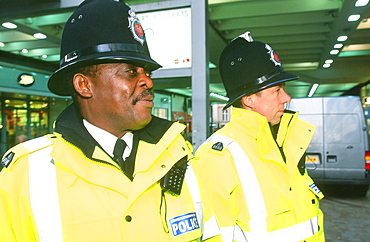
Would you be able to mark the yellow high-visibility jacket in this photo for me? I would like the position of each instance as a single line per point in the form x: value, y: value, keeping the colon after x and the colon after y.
x: 65, y: 187
x: 256, y: 193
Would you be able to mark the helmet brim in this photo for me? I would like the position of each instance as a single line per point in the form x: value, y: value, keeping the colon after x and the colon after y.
x: 57, y: 84
x: 282, y: 77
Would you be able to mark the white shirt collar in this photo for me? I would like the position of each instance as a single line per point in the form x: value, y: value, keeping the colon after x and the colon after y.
x: 107, y: 140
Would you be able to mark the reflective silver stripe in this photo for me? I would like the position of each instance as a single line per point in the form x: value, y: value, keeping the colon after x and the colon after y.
x: 44, y: 195
x: 192, y: 183
x: 256, y: 206
x: 239, y: 234
x: 251, y: 188
x: 228, y: 234
x: 210, y: 228
x: 293, y: 233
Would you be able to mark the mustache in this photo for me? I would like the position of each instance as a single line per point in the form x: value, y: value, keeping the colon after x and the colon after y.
x: 147, y: 92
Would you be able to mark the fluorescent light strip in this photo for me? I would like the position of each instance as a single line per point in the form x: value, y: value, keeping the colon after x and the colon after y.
x: 219, y: 96
x: 313, y: 89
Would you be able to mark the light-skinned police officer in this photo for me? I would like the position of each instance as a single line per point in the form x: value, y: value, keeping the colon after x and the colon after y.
x: 255, y: 179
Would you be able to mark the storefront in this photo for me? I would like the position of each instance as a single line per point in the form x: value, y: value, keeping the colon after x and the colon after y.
x: 29, y: 116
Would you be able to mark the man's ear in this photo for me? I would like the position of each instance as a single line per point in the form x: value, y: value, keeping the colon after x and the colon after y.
x: 82, y: 85
x: 247, y: 102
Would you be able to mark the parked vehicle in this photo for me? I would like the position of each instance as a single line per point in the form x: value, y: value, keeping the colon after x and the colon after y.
x: 339, y: 151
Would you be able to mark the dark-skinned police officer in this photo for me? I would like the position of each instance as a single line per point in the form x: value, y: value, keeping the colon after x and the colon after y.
x: 255, y: 180
x: 111, y: 171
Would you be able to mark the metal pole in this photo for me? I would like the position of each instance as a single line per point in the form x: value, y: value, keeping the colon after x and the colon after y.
x: 200, y: 73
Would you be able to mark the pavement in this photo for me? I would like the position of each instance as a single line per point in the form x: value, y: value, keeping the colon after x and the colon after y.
x: 346, y: 218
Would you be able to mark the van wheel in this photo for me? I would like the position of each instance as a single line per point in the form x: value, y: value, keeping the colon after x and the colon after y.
x: 360, y: 190
x: 345, y: 190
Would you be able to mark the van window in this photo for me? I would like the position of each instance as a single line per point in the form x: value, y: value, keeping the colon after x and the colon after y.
x: 345, y: 127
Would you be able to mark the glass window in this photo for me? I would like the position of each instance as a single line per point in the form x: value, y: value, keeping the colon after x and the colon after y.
x: 161, y: 112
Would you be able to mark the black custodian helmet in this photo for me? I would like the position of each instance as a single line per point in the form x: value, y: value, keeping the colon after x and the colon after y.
x: 100, y: 31
x: 248, y: 66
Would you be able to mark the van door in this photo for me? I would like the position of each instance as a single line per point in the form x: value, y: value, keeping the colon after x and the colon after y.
x: 344, y: 149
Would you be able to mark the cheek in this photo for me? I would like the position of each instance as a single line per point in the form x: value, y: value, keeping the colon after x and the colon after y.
x: 264, y: 108
x: 120, y: 95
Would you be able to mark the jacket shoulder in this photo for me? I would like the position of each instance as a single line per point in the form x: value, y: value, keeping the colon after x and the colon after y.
x: 26, y: 148
x: 217, y: 143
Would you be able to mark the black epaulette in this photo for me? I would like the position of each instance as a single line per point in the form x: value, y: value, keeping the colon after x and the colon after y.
x: 25, y: 148
x: 218, y: 146
x: 7, y: 159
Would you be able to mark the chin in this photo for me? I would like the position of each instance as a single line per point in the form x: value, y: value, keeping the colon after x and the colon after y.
x: 144, y: 122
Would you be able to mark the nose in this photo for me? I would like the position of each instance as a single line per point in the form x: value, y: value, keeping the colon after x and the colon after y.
x: 145, y: 79
x: 285, y: 98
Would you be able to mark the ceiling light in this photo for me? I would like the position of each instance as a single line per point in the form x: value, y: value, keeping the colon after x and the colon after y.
x: 326, y: 65
x: 354, y: 17
x: 334, y: 52
x: 39, y: 36
x: 328, y: 61
x: 219, y: 96
x: 361, y: 3
x: 342, y: 38
x: 313, y: 89
x: 2, y: 44
x: 24, y: 51
x: 9, y: 25
x: 338, y: 46
x: 44, y: 56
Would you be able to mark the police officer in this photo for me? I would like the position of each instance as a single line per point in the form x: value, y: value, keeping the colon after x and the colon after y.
x: 257, y: 184
x: 111, y: 171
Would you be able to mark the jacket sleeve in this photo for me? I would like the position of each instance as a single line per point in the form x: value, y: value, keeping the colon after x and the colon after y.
x: 6, y: 230
x: 16, y: 221
x: 213, y: 169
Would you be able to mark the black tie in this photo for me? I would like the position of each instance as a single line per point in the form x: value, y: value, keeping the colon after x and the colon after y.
x: 119, y: 148
x: 126, y: 166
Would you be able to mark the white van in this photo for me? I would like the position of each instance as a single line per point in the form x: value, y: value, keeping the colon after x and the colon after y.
x: 339, y: 151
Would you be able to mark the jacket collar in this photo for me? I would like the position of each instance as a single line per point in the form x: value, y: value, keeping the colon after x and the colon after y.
x: 70, y: 125
x: 253, y: 123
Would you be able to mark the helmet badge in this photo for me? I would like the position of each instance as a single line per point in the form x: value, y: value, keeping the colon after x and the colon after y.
x: 247, y: 36
x: 135, y: 26
x: 273, y: 56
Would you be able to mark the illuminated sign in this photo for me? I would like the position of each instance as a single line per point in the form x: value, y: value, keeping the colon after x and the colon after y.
x: 26, y: 79
x: 168, y: 33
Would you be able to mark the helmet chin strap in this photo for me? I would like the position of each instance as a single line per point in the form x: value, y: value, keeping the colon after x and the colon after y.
x: 102, y: 48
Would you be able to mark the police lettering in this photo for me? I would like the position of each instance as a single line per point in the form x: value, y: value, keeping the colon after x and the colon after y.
x: 184, y: 223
